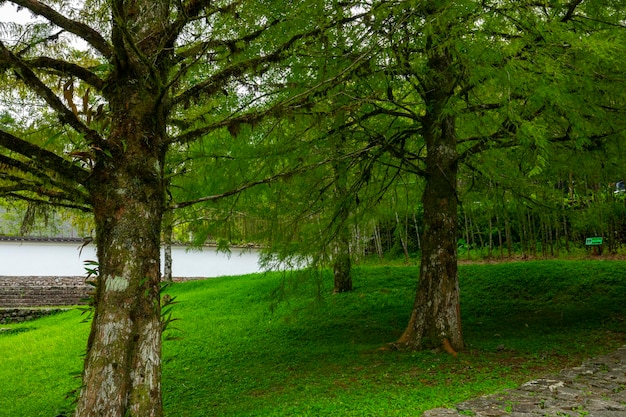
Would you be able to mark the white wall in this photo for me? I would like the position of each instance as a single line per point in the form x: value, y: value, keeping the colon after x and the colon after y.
x: 66, y: 259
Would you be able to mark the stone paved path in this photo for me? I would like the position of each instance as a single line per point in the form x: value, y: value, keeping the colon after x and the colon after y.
x: 597, y: 388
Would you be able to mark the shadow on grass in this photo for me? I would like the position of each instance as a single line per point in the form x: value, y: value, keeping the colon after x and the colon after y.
x: 316, y: 355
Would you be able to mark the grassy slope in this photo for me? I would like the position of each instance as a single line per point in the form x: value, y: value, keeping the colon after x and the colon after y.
x: 39, y: 362
x: 231, y: 355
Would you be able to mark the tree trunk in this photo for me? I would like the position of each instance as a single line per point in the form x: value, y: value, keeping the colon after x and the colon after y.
x: 557, y: 235
x: 417, y: 233
x: 342, y: 267
x: 403, y: 240
x: 168, y: 230
x: 436, y: 316
x: 467, y: 235
x: 378, y: 241
x: 122, y: 371
x: 490, y: 247
x: 523, y: 232
x: 508, y: 234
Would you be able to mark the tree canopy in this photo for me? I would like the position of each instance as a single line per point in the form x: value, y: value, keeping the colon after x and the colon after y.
x: 169, y: 105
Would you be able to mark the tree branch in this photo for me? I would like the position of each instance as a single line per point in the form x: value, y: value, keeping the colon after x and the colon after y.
x: 188, y: 11
x: 68, y: 204
x: 39, y: 188
x: 7, y: 164
x: 79, y: 29
x: 221, y: 78
x: 65, y: 67
x: 35, y: 84
x: 571, y: 8
x: 43, y: 158
x: 248, y: 185
x: 259, y: 115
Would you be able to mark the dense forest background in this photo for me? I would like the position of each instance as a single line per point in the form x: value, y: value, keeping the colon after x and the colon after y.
x: 550, y: 215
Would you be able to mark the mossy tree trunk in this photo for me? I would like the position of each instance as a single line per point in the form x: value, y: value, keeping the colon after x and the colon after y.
x: 123, y: 367
x: 122, y: 373
x: 435, y: 319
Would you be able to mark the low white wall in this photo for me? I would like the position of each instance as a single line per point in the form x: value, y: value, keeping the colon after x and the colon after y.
x: 66, y: 259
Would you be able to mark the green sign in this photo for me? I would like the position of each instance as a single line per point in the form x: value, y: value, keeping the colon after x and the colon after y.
x: 593, y: 241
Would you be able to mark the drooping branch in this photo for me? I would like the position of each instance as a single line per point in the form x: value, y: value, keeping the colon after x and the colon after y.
x: 54, y: 196
x: 44, y: 158
x: 67, y: 203
x: 79, y: 29
x: 68, y: 68
x: 257, y: 64
x: 251, y: 184
x: 277, y: 108
x: 38, y: 87
x: 28, y: 172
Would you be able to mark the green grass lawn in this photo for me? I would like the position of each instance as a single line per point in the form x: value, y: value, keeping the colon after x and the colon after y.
x: 273, y: 345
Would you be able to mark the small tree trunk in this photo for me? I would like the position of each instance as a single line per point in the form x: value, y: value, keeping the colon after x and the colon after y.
x: 532, y: 230
x: 509, y: 236
x: 467, y: 235
x: 417, y: 233
x: 557, y: 235
x: 523, y: 232
x: 168, y: 230
x: 378, y: 242
x: 403, y: 240
x: 480, y: 235
x: 490, y: 248
x: 500, y: 242
x: 342, y: 267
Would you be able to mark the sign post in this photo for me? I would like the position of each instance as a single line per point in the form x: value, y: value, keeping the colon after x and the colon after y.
x: 595, y: 243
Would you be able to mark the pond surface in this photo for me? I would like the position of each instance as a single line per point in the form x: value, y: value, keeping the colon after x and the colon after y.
x: 25, y: 258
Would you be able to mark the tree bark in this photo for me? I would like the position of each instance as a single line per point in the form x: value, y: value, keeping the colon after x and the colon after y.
x: 435, y: 319
x: 168, y: 230
x: 436, y: 315
x: 122, y: 370
x: 342, y: 267
x: 122, y: 367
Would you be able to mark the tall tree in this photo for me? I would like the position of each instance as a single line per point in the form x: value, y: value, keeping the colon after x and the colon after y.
x: 154, y: 76
x: 456, y: 80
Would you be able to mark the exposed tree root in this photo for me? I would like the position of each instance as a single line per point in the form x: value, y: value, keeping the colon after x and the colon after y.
x: 398, y: 346
x: 445, y: 344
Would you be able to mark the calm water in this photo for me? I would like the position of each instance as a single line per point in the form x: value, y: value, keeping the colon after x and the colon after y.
x: 66, y: 259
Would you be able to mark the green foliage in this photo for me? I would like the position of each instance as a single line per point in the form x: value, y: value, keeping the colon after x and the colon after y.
x: 317, y: 354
